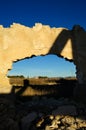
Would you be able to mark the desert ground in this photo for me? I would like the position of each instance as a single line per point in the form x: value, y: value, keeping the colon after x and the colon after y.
x: 60, y: 87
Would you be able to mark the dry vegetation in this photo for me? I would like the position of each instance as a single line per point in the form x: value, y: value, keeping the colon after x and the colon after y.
x: 43, y: 86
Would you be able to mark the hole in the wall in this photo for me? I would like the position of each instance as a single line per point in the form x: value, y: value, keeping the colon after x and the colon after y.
x: 41, y: 67
x: 49, y: 66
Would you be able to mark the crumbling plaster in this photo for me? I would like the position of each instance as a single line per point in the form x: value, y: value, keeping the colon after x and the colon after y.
x: 18, y: 42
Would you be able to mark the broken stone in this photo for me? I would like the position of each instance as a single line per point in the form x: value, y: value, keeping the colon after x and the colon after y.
x: 48, y: 128
x: 68, y: 120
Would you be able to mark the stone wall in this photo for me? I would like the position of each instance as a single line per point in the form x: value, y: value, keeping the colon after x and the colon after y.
x: 18, y: 42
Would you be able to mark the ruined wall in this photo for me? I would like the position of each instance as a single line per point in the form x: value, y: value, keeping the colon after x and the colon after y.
x: 19, y: 42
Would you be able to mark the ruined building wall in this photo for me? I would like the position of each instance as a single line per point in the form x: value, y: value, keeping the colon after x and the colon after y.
x: 19, y: 42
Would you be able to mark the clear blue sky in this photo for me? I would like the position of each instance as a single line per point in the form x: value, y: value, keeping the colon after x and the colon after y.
x: 56, y: 13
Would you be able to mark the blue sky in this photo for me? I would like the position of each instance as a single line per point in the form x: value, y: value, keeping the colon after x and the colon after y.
x: 56, y: 13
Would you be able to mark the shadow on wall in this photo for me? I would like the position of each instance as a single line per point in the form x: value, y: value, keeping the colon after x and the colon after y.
x: 61, y: 42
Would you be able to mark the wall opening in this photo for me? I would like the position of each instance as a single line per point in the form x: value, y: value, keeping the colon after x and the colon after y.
x: 47, y: 70
x: 50, y: 66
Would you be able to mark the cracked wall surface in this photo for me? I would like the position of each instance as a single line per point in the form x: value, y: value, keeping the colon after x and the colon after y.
x: 18, y: 42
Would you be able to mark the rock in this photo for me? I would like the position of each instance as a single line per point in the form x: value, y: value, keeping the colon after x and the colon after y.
x: 65, y: 110
x: 55, y: 124
x: 51, y: 117
x: 80, y: 119
x: 68, y: 120
x: 81, y: 122
x: 70, y: 128
x: 48, y: 128
x: 74, y: 126
x: 27, y: 120
x: 58, y: 117
x: 39, y: 123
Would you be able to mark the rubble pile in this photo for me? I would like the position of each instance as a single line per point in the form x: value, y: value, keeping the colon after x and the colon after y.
x: 42, y: 113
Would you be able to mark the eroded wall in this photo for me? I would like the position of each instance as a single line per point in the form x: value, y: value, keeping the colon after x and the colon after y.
x: 19, y: 42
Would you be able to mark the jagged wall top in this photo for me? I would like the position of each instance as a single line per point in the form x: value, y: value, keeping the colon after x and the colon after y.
x: 18, y: 42
x: 39, y: 37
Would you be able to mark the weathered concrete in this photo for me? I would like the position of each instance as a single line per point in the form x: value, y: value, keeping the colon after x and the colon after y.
x: 19, y: 42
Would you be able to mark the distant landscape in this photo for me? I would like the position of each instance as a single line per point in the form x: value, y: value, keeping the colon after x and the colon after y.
x: 57, y: 86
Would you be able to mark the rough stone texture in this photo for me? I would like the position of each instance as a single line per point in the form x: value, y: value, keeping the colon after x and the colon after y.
x: 35, y: 115
x: 19, y: 42
x: 80, y: 52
